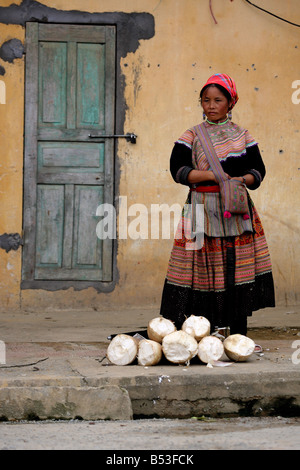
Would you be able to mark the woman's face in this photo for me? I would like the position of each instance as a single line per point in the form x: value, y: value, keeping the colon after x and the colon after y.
x: 214, y: 104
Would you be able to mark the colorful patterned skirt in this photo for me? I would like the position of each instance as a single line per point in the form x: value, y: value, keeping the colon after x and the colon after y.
x: 224, y: 281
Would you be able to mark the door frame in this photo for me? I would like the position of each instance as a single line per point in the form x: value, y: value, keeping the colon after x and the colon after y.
x: 30, y: 174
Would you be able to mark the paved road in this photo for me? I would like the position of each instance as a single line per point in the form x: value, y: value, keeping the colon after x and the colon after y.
x: 276, y: 433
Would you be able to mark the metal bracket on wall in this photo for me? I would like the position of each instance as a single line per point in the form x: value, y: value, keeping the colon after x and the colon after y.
x: 130, y: 137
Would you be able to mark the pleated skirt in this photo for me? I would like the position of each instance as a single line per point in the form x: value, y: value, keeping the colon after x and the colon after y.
x: 225, y: 280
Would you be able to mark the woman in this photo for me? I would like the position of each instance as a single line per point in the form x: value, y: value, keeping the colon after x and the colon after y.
x: 230, y: 276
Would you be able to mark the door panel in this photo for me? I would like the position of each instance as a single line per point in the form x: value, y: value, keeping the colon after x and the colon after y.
x: 70, y: 74
x: 66, y: 242
x: 86, y: 252
x: 52, y: 84
x: 91, y: 86
x: 50, y: 228
x: 58, y: 157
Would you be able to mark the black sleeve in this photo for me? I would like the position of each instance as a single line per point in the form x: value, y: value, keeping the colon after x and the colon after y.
x: 256, y: 165
x: 181, y: 163
x: 250, y: 163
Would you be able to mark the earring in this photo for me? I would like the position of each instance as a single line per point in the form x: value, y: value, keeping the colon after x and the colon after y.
x: 229, y: 115
x: 204, y: 116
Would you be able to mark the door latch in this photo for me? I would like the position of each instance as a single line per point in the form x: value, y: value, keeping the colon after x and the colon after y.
x: 130, y: 137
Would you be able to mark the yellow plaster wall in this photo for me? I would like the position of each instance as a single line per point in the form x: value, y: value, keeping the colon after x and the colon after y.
x: 11, y: 170
x: 162, y: 82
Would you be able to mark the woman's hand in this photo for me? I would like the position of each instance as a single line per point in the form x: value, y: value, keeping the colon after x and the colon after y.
x: 238, y: 178
x: 199, y: 176
x: 248, y: 179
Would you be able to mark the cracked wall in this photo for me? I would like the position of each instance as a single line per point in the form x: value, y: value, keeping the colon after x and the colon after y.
x: 166, y: 50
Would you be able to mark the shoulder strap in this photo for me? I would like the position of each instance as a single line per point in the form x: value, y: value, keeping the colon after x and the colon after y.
x: 209, y: 151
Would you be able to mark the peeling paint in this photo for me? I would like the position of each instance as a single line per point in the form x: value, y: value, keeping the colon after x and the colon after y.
x: 158, y: 103
x: 131, y: 27
x: 10, y: 241
x: 11, y: 50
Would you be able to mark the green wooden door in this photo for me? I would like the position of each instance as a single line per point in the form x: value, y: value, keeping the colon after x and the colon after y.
x: 70, y: 90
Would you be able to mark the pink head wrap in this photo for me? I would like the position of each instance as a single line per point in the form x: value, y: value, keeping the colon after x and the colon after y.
x: 226, y: 82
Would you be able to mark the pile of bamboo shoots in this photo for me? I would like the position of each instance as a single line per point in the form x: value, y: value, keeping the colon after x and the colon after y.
x: 194, y: 339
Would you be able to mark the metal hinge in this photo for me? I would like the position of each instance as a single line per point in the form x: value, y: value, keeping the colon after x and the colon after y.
x: 130, y: 137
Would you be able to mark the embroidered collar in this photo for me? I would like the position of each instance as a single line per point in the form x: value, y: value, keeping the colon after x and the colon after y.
x: 217, y: 123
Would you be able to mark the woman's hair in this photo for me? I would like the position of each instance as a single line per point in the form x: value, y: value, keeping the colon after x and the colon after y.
x: 222, y: 90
